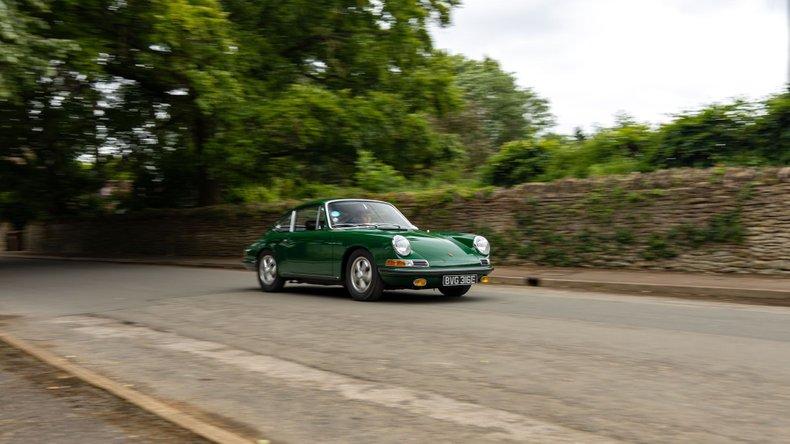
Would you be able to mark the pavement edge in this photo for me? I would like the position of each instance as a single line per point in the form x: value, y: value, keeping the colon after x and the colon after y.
x: 147, y: 403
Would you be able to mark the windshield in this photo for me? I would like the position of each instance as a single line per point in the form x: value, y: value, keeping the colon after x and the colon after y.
x: 352, y: 213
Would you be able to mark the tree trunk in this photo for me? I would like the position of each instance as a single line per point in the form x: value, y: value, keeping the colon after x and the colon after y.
x: 208, y: 188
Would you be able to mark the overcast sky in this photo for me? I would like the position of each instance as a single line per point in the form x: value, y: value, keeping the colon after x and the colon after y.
x: 649, y: 58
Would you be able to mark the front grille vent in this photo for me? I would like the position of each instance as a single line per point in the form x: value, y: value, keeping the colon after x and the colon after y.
x: 485, y: 261
x: 420, y: 262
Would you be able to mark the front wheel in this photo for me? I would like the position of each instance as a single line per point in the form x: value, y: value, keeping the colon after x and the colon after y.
x: 362, y: 278
x: 268, y: 277
x: 455, y: 292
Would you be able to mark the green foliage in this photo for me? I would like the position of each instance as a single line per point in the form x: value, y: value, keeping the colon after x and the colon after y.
x: 725, y: 227
x: 737, y: 133
x: 624, y: 236
x: 616, y: 150
x: 26, y: 54
x: 599, y: 206
x: 517, y: 162
x: 289, y: 190
x: 771, y: 132
x: 721, y: 228
x: 195, y: 102
x: 199, y: 100
x: 495, y: 109
x: 373, y: 175
x: 706, y: 137
x: 658, y: 248
x: 253, y: 193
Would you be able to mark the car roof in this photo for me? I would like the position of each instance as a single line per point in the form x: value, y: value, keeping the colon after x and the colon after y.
x: 323, y: 201
x: 313, y: 202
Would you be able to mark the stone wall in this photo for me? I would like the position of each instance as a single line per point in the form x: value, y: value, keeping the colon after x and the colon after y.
x: 715, y: 220
x: 5, y: 227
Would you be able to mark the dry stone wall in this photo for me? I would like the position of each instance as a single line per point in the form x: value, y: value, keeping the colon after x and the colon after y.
x: 733, y: 220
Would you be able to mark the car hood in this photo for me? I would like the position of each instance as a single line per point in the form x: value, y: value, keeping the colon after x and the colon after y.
x: 440, y: 249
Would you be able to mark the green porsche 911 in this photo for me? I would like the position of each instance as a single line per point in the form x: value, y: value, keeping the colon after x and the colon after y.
x: 368, y: 246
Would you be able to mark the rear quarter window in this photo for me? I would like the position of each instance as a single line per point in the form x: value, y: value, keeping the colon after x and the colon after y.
x: 283, y: 223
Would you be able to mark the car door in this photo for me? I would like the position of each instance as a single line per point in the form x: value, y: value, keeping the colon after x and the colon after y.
x: 279, y: 236
x: 308, y: 250
x: 323, y: 248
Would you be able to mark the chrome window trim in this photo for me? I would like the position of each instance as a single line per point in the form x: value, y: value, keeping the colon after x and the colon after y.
x: 293, y: 221
x: 326, y: 211
x: 318, y: 216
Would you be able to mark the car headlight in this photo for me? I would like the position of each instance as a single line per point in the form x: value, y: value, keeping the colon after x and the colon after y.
x: 401, y: 245
x: 481, y: 244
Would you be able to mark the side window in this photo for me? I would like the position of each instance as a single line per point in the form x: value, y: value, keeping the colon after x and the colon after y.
x: 305, y: 219
x: 284, y: 223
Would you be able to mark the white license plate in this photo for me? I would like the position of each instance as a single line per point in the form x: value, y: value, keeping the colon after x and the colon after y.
x: 453, y: 280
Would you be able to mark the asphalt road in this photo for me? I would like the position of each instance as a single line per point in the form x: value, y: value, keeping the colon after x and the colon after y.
x: 503, y: 363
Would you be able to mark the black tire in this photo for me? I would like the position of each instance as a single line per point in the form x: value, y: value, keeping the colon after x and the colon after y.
x: 355, y: 283
x: 273, y: 285
x: 455, y: 292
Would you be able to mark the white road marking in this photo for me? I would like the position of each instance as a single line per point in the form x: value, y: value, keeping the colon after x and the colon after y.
x: 505, y: 425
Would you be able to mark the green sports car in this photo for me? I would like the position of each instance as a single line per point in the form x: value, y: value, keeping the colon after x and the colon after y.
x: 368, y: 246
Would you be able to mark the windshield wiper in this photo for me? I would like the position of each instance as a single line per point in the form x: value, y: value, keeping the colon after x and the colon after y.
x: 390, y: 225
x: 381, y: 225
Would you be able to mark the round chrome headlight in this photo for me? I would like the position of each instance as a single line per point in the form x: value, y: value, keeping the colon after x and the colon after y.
x: 481, y: 244
x: 401, y: 245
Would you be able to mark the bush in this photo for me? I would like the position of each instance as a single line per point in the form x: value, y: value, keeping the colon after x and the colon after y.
x: 715, y: 134
x: 658, y: 248
x: 373, y: 175
x: 517, y: 162
x: 772, y: 130
x: 726, y: 227
x: 252, y: 194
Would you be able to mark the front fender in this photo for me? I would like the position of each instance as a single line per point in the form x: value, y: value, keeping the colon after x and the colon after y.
x: 252, y: 251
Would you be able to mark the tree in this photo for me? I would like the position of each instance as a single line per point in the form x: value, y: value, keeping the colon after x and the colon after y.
x: 187, y: 97
x: 343, y: 78
x: 46, y: 111
x: 496, y: 110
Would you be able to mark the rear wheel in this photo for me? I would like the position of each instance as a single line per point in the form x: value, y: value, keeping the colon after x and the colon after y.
x: 362, y: 278
x: 455, y: 292
x: 268, y: 276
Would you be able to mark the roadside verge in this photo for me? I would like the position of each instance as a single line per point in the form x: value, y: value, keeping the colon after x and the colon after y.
x: 645, y: 288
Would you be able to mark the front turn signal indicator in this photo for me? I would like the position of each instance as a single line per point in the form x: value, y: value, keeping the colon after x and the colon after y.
x: 420, y: 282
x: 399, y: 263
x: 484, y: 280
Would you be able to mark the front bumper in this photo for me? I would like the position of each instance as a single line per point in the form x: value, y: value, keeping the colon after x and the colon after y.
x: 404, y: 277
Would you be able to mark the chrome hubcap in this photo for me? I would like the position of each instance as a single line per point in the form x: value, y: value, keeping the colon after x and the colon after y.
x: 361, y: 274
x: 267, y: 269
